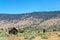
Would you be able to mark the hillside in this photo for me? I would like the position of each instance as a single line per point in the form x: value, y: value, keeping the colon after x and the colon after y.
x: 34, y: 20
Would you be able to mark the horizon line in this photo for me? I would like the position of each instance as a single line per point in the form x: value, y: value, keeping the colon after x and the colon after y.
x: 29, y: 12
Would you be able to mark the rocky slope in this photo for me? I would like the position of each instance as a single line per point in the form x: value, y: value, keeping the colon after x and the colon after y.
x: 48, y: 20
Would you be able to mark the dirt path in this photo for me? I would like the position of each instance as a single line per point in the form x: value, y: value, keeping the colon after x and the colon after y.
x: 16, y: 38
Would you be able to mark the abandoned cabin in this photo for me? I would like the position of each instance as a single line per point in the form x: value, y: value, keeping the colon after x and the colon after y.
x: 13, y: 31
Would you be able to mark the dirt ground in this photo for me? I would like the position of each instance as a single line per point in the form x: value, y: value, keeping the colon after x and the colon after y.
x: 53, y: 37
x: 15, y: 38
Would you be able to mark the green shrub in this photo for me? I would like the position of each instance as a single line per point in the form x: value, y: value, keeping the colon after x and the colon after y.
x: 59, y: 35
x: 54, y: 29
x: 21, y: 30
x: 44, y: 36
x: 31, y: 37
x: 1, y: 34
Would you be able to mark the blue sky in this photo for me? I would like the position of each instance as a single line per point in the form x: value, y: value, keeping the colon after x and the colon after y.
x: 25, y: 6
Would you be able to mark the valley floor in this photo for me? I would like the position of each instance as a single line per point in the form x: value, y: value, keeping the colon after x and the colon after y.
x: 34, y: 36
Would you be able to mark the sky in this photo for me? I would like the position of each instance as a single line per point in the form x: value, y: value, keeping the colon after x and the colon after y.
x: 26, y: 6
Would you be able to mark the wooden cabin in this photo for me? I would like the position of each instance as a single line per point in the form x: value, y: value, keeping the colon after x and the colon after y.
x: 13, y: 31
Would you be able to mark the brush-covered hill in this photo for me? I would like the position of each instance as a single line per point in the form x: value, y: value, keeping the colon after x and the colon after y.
x: 34, y: 20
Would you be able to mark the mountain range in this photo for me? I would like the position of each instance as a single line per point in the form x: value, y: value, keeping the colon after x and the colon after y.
x: 36, y: 20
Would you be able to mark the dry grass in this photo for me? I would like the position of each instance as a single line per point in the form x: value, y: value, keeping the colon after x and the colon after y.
x: 51, y: 36
x: 16, y: 38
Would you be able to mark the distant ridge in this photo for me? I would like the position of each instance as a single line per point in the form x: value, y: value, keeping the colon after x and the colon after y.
x: 33, y: 20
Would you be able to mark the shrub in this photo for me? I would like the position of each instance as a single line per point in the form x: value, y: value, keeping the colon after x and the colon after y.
x: 31, y: 37
x: 44, y: 36
x: 54, y: 29
x: 21, y: 30
x: 1, y: 34
x: 59, y: 35
x: 44, y: 30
